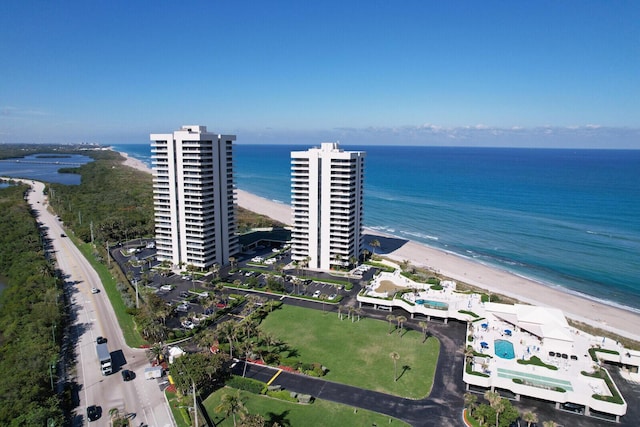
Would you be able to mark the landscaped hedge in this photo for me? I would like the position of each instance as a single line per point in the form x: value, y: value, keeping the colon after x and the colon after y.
x: 593, y: 350
x: 470, y: 371
x: 470, y: 313
x: 615, y: 396
x: 246, y: 384
x: 535, y: 360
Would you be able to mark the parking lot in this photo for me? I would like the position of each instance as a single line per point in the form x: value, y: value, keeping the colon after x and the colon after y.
x: 194, y: 296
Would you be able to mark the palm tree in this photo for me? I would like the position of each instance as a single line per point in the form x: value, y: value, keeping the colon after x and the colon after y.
x: 231, y: 404
x: 470, y: 400
x: 499, y: 407
x: 296, y: 266
x: 232, y: 262
x: 353, y: 261
x: 391, y: 318
x: 401, y: 319
x: 550, y: 424
x: 250, y: 326
x: 228, y: 329
x: 156, y: 351
x: 247, y: 348
x: 468, y: 353
x: 495, y: 401
x: 424, y: 326
x: 215, y: 269
x: 340, y: 308
x: 395, y: 357
x: 375, y: 243
x: 529, y: 417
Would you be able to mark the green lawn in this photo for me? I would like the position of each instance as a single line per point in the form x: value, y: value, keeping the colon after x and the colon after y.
x: 126, y: 321
x: 357, y: 353
x: 319, y: 413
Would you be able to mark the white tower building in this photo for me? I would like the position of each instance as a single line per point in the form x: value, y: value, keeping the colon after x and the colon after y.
x: 193, y: 197
x: 327, y: 205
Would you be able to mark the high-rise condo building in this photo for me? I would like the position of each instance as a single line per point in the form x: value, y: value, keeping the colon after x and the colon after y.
x: 327, y: 206
x: 193, y: 197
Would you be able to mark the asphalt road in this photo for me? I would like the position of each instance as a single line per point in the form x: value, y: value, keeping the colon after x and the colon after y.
x: 93, y: 316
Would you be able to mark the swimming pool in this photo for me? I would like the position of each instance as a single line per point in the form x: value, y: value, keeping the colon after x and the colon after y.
x: 433, y: 304
x: 504, y: 349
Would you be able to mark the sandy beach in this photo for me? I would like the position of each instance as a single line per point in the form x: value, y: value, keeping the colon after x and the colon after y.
x: 616, y: 320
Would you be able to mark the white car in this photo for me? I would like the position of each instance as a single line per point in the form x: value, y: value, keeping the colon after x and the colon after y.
x: 187, y: 324
x: 95, y: 290
x: 316, y: 294
x: 332, y: 297
x: 166, y: 287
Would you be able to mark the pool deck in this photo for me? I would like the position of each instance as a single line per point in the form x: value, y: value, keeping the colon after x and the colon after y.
x: 533, y: 331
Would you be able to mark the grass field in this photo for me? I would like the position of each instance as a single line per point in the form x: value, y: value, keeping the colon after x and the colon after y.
x: 319, y: 413
x: 127, y: 324
x: 358, y: 353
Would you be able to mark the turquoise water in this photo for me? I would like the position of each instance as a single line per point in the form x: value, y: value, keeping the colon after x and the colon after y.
x: 565, y: 218
x: 434, y: 304
x: 504, y: 349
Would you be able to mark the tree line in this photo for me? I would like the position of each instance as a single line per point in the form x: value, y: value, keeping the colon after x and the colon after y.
x: 31, y: 318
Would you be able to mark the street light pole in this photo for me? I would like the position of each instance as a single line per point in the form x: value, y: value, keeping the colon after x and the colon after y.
x: 135, y: 282
x: 51, y: 374
x: 195, y: 404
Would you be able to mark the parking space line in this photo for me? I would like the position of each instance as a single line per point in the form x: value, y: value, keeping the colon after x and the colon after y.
x: 274, y: 376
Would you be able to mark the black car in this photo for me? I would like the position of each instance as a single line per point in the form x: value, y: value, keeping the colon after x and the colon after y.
x: 93, y: 412
x: 101, y: 340
x: 127, y: 375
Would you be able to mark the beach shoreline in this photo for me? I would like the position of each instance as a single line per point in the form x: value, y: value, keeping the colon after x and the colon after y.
x: 575, y: 306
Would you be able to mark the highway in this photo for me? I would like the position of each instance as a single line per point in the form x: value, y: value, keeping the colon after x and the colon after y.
x: 92, y: 316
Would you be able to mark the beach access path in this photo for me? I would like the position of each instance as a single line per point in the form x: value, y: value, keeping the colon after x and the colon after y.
x: 617, y: 320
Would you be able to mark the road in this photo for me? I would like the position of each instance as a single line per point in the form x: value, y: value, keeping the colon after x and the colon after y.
x: 92, y: 316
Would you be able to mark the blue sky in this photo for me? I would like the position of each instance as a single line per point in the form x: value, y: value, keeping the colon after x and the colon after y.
x: 544, y: 73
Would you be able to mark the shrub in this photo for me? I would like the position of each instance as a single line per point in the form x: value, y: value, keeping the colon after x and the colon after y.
x: 246, y: 384
x: 437, y: 287
x: 185, y: 415
x: 535, y: 360
x: 470, y: 313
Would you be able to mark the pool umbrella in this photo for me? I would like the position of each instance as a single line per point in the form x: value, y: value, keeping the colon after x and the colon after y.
x: 507, y: 331
x: 484, y: 345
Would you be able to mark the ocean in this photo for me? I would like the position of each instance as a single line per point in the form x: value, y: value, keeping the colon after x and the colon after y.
x: 563, y: 217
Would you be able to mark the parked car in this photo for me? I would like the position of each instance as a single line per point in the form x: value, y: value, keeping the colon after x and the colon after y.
x: 316, y: 294
x: 93, y: 412
x: 188, y: 324
x: 332, y: 297
x: 95, y: 290
x: 127, y: 375
x: 101, y: 340
x: 166, y: 287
